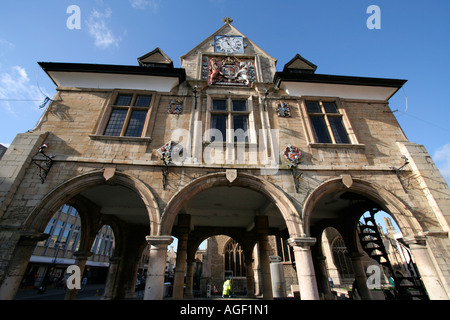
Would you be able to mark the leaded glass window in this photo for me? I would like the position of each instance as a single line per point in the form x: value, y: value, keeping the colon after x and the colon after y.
x: 128, y: 115
x: 326, y: 122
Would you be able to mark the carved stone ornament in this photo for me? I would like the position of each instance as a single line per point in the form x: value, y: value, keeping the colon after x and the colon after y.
x: 347, y: 180
x: 109, y: 173
x: 283, y: 110
x: 229, y: 71
x: 175, y: 106
x: 231, y: 175
x: 292, y: 154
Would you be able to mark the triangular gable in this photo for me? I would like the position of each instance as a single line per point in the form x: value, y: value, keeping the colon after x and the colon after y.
x: 156, y: 56
x: 226, y: 29
x: 299, y: 64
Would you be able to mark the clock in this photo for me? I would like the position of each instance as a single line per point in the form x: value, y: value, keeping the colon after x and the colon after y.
x: 229, y: 44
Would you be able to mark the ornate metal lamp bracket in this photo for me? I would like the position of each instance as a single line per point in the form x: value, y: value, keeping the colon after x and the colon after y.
x: 297, y: 176
x: 43, y: 165
x: 398, y: 172
x: 166, y: 152
x: 165, y: 172
x: 294, y: 156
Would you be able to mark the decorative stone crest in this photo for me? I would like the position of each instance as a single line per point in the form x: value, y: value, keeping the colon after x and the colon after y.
x: 347, y: 180
x: 231, y: 175
x: 228, y: 71
x: 175, y: 106
x: 283, y: 110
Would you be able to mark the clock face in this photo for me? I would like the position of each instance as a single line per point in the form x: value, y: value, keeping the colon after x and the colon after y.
x: 229, y: 44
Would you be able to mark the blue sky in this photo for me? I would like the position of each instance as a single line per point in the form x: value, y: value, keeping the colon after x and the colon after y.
x: 412, y: 44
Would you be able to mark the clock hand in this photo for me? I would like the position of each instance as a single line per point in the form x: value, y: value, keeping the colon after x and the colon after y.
x: 231, y: 45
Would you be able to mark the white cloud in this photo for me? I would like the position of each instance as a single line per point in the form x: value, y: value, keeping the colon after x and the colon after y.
x: 15, y: 85
x: 442, y: 159
x: 144, y: 4
x: 103, y: 35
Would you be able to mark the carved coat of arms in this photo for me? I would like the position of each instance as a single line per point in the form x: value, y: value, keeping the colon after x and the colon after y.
x: 283, y: 110
x: 175, y: 106
x: 292, y: 154
x: 168, y: 150
x: 230, y: 71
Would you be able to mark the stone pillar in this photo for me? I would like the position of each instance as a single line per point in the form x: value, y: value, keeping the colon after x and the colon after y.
x: 154, y: 286
x: 262, y: 229
x: 250, y: 277
x: 80, y: 261
x: 430, y: 278
x: 305, y: 267
x: 110, y: 285
x: 18, y: 264
x: 180, y: 268
x: 189, y: 279
x: 360, y: 276
x: 183, y: 228
x: 256, y: 270
x: 322, y: 276
x: 130, y: 293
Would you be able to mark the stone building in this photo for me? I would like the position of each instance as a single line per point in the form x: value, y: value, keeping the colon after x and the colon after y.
x: 224, y: 145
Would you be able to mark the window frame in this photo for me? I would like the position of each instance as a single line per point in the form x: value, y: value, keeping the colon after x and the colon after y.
x: 325, y: 116
x: 229, y: 137
x: 111, y: 106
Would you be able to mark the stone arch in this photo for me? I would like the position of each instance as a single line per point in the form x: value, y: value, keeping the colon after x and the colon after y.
x: 63, y: 193
x: 390, y: 203
x: 277, y: 196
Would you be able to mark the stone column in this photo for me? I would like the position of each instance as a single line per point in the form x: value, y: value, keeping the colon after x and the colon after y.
x: 305, y: 267
x: 130, y: 293
x: 180, y: 267
x: 430, y: 278
x: 250, y: 277
x: 262, y: 229
x: 190, y: 279
x: 154, y: 286
x: 183, y: 228
x: 110, y: 285
x: 80, y: 261
x: 256, y: 270
x: 266, y: 278
x: 18, y: 264
x: 322, y: 276
x: 360, y: 276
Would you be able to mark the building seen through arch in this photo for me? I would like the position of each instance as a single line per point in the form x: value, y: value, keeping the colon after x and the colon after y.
x: 279, y: 156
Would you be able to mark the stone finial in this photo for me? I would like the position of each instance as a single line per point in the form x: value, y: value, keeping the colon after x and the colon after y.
x: 227, y: 20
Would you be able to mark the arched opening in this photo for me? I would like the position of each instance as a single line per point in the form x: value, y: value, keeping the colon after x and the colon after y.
x: 118, y: 200
x: 358, y: 254
x: 50, y: 258
x: 248, y: 211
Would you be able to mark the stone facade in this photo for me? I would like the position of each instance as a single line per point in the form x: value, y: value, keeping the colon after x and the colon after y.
x: 97, y: 172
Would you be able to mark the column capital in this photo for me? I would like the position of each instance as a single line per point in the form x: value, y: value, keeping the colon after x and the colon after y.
x: 302, y: 242
x: 159, y: 240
